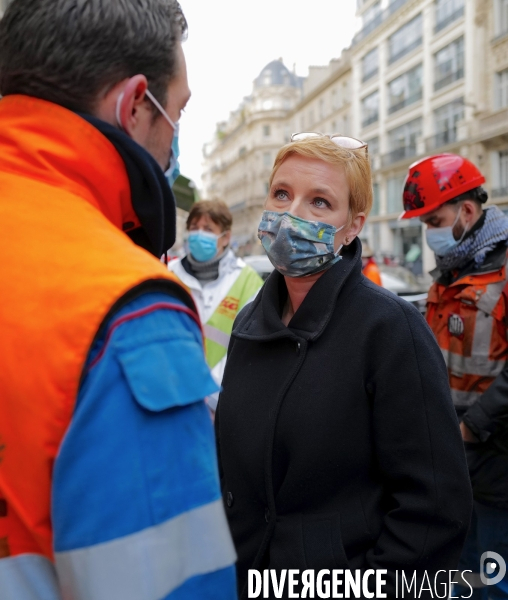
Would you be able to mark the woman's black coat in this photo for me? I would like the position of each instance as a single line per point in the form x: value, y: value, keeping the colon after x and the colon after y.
x: 338, y: 443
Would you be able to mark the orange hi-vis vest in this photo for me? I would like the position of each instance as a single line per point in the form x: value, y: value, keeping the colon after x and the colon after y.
x: 469, y: 320
x: 64, y: 263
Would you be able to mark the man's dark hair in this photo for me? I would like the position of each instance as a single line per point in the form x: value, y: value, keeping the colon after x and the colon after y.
x: 478, y: 195
x: 72, y: 52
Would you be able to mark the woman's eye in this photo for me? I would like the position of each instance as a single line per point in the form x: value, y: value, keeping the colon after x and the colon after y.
x: 280, y: 195
x: 320, y: 203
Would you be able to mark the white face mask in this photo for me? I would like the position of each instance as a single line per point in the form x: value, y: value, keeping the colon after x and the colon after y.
x: 441, y: 240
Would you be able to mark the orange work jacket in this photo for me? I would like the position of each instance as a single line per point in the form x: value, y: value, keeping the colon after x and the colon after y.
x: 371, y: 271
x: 64, y: 263
x: 468, y: 319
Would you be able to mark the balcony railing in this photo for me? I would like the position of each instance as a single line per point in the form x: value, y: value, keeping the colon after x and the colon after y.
x: 500, y: 192
x: 449, y: 136
x: 369, y: 120
x: 406, y: 102
x: 450, y: 78
x: 398, y: 154
x: 449, y: 19
x: 378, y: 19
x: 406, y: 50
x: 492, y: 125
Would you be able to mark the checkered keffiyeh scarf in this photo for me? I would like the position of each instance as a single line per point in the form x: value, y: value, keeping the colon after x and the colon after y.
x: 478, y: 244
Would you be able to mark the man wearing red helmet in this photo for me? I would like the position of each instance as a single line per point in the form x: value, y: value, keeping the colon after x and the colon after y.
x: 467, y: 309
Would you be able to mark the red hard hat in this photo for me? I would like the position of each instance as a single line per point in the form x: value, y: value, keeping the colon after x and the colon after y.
x: 434, y: 180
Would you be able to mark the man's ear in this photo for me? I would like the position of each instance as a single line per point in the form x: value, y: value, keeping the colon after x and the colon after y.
x: 471, y: 209
x: 132, y: 113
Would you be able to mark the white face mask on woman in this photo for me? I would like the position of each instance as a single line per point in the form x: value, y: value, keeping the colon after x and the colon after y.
x: 441, y: 240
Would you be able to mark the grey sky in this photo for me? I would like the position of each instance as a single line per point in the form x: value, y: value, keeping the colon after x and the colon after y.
x: 230, y: 41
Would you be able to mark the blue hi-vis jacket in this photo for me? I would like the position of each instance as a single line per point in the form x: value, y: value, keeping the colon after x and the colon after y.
x: 136, y: 506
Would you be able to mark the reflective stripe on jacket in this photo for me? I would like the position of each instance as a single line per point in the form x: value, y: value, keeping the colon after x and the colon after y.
x: 65, y: 263
x: 468, y: 319
x: 218, y: 327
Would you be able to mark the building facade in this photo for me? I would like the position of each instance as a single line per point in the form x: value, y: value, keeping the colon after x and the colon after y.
x: 420, y: 77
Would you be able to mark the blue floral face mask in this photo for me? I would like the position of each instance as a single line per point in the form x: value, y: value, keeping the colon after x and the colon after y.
x: 297, y: 247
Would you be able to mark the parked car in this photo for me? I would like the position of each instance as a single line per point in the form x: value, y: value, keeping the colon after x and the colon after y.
x: 397, y: 279
x: 401, y: 281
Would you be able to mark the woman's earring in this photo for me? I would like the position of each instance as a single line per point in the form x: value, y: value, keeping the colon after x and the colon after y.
x: 346, y: 240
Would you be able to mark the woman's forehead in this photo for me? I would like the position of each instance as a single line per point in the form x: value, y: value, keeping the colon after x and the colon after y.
x: 312, y: 172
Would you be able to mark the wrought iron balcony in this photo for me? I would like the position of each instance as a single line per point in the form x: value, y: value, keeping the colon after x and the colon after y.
x: 450, y: 78
x: 406, y: 50
x: 399, y: 154
x: 369, y: 120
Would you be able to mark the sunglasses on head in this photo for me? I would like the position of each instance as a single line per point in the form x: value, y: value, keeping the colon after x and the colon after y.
x: 343, y: 141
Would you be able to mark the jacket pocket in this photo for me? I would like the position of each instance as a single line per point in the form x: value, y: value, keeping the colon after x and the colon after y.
x: 322, y: 541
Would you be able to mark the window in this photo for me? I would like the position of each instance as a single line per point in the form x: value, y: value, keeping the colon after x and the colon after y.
x: 402, y: 141
x: 501, y: 84
x: 449, y: 64
x: 405, y: 90
x: 372, y: 17
x: 345, y: 125
x: 373, y: 145
x: 500, y: 173
x: 266, y: 131
x: 375, y: 200
x: 321, y: 108
x: 370, y: 109
x: 405, y: 39
x: 445, y: 122
x: 448, y: 11
x: 370, y: 64
x: 501, y: 16
x: 394, y: 189
x: 267, y: 159
x: 335, y: 99
x: 503, y: 169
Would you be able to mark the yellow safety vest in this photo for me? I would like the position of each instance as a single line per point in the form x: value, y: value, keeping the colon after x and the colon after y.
x: 218, y: 328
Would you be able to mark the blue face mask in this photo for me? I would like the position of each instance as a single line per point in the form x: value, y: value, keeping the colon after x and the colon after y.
x: 203, y: 245
x: 440, y: 239
x: 297, y: 247
x: 173, y: 171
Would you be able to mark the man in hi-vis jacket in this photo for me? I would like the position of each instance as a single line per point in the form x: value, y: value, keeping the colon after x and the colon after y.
x: 108, y: 476
x: 467, y: 309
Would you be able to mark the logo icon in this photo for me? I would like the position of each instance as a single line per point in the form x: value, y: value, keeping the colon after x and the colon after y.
x: 488, y: 566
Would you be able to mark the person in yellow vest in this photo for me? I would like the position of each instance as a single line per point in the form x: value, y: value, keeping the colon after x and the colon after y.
x: 221, y: 284
x: 109, y: 485
x: 467, y: 309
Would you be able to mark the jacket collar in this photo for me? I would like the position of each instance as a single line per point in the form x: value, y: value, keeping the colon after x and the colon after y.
x: 45, y: 141
x: 262, y: 320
